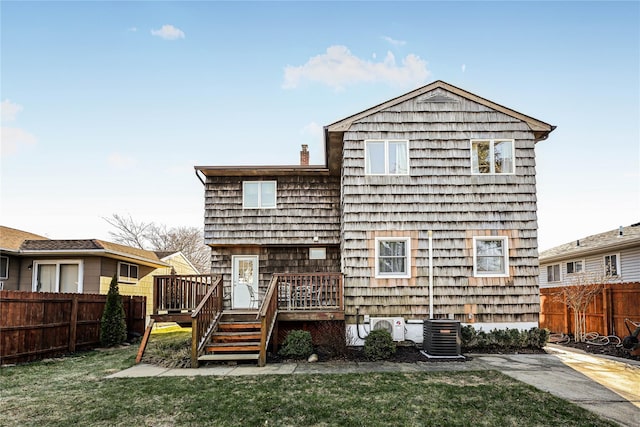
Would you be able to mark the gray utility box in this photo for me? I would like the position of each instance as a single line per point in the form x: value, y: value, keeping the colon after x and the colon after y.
x: 441, y: 337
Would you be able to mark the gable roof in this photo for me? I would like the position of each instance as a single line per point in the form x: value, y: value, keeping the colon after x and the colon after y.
x: 608, y: 241
x: 91, y: 247
x: 12, y: 238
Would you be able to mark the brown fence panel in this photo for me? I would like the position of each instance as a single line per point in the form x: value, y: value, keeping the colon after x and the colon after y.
x: 34, y: 325
x: 605, y: 315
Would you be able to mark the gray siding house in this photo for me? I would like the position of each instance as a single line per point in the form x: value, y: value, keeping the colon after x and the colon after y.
x: 613, y: 256
x: 426, y: 205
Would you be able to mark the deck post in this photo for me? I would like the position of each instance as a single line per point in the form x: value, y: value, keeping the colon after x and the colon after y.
x: 194, y: 342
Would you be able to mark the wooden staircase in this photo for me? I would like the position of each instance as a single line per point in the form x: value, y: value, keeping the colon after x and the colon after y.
x: 237, y: 337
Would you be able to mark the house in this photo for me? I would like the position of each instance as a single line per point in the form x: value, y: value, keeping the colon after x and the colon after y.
x: 434, y: 189
x: 613, y: 256
x: 35, y: 263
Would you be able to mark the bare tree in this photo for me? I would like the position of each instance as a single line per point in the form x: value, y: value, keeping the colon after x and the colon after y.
x: 151, y: 236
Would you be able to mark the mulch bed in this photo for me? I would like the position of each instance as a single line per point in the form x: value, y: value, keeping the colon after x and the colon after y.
x: 608, y: 350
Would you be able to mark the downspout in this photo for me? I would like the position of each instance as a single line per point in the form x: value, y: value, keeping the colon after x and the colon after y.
x: 430, y: 274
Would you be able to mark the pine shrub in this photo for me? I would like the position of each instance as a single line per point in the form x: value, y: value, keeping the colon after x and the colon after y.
x: 113, y: 327
x: 297, y: 345
x: 379, y: 345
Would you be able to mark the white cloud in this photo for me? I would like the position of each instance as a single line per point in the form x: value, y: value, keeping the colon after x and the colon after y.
x: 9, y: 110
x: 394, y: 41
x: 464, y: 67
x: 338, y: 67
x: 168, y: 32
x: 119, y: 161
x: 12, y: 139
x: 132, y: 29
x: 313, y: 129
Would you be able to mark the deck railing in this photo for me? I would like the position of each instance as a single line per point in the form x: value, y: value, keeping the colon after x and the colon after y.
x: 310, y: 291
x: 180, y: 293
x: 267, y: 315
x: 204, y: 318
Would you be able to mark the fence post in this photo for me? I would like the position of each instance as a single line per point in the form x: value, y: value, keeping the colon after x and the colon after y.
x: 605, y: 312
x: 566, y: 316
x: 73, y: 322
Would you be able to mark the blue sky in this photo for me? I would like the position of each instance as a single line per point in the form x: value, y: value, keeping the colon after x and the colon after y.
x: 107, y: 106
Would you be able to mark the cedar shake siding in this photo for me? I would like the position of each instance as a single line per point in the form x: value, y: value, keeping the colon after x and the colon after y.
x: 307, y: 206
x: 441, y: 194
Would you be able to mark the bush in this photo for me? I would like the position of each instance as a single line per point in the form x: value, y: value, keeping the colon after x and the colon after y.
x: 297, y: 345
x: 379, y: 345
x: 113, y: 328
x: 503, y: 339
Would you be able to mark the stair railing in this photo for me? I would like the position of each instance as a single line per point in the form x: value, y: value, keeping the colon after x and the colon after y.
x: 267, y: 315
x: 204, y: 319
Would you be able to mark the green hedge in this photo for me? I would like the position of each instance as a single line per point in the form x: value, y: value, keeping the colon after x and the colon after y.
x: 503, y: 339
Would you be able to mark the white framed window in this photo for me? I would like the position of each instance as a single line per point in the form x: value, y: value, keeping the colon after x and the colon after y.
x: 611, y: 264
x: 553, y: 273
x: 4, y: 267
x: 259, y: 194
x: 127, y: 273
x: 386, y: 157
x: 57, y: 276
x: 575, y: 267
x: 317, y: 253
x: 393, y: 257
x: 490, y: 256
x: 492, y: 156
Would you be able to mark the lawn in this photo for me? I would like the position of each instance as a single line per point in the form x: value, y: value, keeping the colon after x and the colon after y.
x: 73, y: 391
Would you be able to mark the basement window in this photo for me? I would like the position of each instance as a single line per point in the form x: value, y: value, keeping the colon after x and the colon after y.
x: 259, y: 194
x: 393, y: 257
x: 490, y: 256
x: 128, y: 273
x: 492, y: 156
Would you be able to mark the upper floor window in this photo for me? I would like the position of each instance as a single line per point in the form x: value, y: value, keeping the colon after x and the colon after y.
x: 4, y: 267
x: 611, y: 265
x: 574, y: 267
x: 386, y: 157
x: 259, y: 194
x: 492, y: 156
x: 393, y: 257
x: 553, y: 273
x: 490, y: 256
x: 127, y: 273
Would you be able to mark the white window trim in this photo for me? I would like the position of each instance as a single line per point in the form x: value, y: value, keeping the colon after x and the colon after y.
x: 618, y: 271
x: 127, y: 279
x: 546, y: 272
x: 2, y: 275
x: 505, y: 245
x: 57, y: 263
x: 379, y: 275
x: 492, y: 155
x: 386, y: 157
x: 573, y: 261
x: 275, y: 194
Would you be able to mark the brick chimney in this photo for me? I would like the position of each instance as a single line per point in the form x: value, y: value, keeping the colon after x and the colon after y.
x: 304, y: 155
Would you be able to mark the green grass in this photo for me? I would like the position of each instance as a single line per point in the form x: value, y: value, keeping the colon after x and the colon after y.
x: 72, y: 391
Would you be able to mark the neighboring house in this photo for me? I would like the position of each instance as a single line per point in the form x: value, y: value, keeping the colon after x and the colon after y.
x: 612, y: 256
x: 439, y: 168
x: 87, y: 266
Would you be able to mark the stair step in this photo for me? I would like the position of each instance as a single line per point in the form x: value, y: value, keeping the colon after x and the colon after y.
x: 219, y: 337
x: 233, y: 346
x: 241, y: 356
x: 238, y: 326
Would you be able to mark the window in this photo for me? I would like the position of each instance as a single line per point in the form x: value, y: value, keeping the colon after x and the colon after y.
x: 490, y: 256
x: 492, y: 156
x: 127, y: 273
x: 317, y: 253
x: 258, y: 194
x: 386, y: 157
x: 393, y: 257
x: 611, y: 266
x: 575, y: 267
x: 58, y: 276
x: 4, y: 267
x: 553, y: 273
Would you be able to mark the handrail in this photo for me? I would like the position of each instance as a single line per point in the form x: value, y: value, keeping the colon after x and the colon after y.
x: 179, y: 293
x: 267, y: 315
x: 204, y: 319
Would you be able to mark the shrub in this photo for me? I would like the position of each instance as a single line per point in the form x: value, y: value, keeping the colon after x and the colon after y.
x: 113, y: 328
x: 538, y: 337
x: 297, y: 345
x: 379, y: 345
x: 503, y: 339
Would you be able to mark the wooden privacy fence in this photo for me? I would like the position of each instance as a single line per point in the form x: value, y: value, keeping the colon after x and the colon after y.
x: 605, y: 314
x: 34, y: 325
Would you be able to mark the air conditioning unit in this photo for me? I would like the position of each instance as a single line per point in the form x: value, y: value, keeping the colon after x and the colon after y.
x: 442, y: 338
x: 393, y: 325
